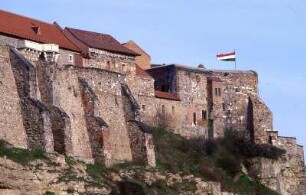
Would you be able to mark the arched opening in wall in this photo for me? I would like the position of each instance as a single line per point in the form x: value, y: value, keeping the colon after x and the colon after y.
x: 194, y: 119
x: 71, y: 59
x: 204, y: 115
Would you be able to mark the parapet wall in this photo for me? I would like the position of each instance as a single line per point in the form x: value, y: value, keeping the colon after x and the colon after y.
x: 103, y: 116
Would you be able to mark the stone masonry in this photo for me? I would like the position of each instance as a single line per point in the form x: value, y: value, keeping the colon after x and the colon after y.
x: 92, y: 99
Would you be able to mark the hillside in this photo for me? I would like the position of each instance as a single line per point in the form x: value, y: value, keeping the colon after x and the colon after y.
x: 183, y: 167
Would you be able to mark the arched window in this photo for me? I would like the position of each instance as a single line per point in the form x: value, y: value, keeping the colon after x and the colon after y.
x: 195, y: 118
x: 204, y: 115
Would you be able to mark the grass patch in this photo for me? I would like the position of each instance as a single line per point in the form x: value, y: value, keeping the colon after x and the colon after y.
x: 96, y: 171
x: 19, y: 155
x: 70, y: 161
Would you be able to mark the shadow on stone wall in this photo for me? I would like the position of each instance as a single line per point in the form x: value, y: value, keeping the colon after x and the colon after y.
x: 36, y: 116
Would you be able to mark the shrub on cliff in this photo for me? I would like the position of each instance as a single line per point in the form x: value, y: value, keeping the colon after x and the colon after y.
x: 213, y: 160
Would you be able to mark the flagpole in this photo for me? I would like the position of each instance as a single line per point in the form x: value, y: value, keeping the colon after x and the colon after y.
x: 235, y: 59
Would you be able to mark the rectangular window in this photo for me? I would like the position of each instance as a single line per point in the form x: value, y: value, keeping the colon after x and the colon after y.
x: 143, y: 107
x: 173, y: 109
x: 194, y: 119
x: 216, y: 92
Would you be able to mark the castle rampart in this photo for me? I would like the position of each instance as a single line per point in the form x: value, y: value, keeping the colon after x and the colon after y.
x: 97, y: 104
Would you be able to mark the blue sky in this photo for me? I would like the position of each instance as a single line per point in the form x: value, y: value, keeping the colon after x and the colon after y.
x: 269, y: 37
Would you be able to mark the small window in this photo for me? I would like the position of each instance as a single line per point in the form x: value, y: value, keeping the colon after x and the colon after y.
x: 270, y: 139
x: 143, y: 107
x: 195, y: 118
x: 216, y: 92
x: 204, y: 115
x: 163, y: 109
x: 173, y: 109
x: 123, y: 68
x: 219, y: 91
x: 223, y: 106
x: 70, y: 58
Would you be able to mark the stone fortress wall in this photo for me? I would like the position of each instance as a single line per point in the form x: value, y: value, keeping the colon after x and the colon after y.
x: 100, y: 107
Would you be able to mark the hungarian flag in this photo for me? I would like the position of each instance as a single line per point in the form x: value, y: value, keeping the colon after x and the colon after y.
x: 231, y: 56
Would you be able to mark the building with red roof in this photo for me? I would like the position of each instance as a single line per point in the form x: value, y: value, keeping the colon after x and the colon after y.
x: 34, y: 36
x: 102, y: 51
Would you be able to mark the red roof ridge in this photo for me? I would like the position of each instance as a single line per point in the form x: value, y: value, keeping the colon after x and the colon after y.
x: 62, y: 30
x: 142, y: 72
x: 166, y: 95
x: 133, y: 42
x: 88, y: 31
x: 27, y: 17
x: 20, y: 26
x: 57, y: 26
x: 100, y: 41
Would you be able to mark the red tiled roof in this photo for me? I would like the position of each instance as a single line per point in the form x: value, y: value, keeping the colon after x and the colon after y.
x: 142, y: 72
x: 27, y: 28
x: 166, y: 95
x: 100, y: 41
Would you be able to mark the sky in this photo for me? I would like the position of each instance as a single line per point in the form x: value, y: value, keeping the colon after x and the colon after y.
x: 269, y: 37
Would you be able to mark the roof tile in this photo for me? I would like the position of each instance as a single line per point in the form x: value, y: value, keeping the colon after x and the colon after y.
x: 142, y: 72
x: 34, y: 30
x: 166, y: 95
x: 100, y: 41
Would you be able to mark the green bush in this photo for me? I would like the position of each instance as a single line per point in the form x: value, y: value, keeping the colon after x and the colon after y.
x: 215, y: 160
x: 229, y: 163
x: 49, y: 193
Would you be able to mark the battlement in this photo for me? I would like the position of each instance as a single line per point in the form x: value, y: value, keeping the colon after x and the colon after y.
x: 93, y: 101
